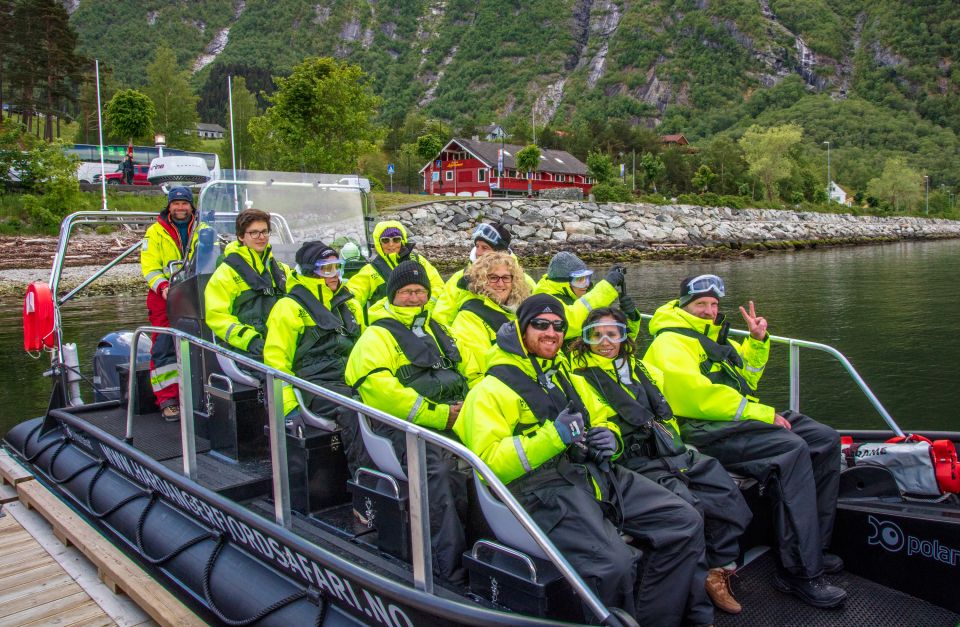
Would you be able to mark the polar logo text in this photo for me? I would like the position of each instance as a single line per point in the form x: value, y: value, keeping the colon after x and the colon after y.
x: 890, y: 536
x: 885, y: 533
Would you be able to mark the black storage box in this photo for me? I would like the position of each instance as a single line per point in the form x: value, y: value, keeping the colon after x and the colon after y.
x: 318, y: 470
x: 500, y: 575
x: 236, y: 418
x: 384, y: 502
x: 145, y: 402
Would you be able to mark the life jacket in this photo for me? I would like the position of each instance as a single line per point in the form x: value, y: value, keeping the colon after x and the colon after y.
x: 324, y: 348
x: 490, y: 316
x: 723, y: 354
x: 545, y: 402
x: 253, y: 305
x: 432, y: 371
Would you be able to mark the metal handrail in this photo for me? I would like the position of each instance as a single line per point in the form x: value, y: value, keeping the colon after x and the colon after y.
x: 795, y: 345
x: 416, y: 437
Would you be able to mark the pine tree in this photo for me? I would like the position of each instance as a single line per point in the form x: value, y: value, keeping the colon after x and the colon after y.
x: 59, y: 65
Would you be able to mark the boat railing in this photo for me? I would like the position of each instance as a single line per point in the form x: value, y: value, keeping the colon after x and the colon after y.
x: 416, y: 439
x: 794, y: 346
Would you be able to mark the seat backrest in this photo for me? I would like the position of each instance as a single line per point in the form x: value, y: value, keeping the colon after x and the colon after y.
x: 233, y: 371
x: 504, y: 524
x: 311, y: 419
x: 381, y: 450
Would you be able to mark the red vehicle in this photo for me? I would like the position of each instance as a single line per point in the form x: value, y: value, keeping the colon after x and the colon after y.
x: 116, y: 178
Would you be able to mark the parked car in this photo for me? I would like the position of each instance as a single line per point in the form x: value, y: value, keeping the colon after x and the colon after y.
x: 116, y: 178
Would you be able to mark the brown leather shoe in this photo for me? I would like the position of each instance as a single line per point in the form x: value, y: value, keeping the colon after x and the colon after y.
x: 719, y: 591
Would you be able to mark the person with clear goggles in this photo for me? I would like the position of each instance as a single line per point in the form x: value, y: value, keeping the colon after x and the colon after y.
x: 570, y: 280
x: 487, y: 238
x: 712, y: 382
x: 627, y: 392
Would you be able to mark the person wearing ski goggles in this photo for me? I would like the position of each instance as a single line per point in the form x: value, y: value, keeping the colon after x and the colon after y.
x: 570, y: 280
x: 711, y: 380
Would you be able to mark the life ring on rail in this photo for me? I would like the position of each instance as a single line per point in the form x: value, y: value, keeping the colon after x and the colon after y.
x: 38, y: 332
x: 944, y: 455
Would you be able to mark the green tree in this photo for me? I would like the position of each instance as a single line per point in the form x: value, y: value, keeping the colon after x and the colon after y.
x: 725, y: 159
x: 899, y: 185
x: 130, y: 115
x: 767, y: 151
x: 528, y: 160
x: 244, y: 110
x: 173, y: 99
x: 429, y: 146
x: 703, y: 179
x: 600, y: 167
x: 321, y: 118
x: 652, y: 168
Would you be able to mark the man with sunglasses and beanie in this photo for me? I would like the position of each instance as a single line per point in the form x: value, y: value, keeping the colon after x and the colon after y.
x: 526, y: 420
x: 711, y: 383
x: 487, y: 238
x: 310, y: 333
x: 407, y: 365
x: 173, y: 237
x: 390, y: 241
x: 244, y: 287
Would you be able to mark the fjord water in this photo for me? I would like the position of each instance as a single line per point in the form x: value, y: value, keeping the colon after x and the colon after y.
x: 891, y: 309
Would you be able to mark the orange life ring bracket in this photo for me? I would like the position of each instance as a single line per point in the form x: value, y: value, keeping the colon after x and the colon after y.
x: 38, y: 331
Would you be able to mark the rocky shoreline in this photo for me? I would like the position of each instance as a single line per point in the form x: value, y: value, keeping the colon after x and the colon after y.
x: 598, y: 233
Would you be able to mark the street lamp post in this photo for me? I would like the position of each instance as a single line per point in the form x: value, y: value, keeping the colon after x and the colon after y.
x: 828, y: 171
x: 926, y: 194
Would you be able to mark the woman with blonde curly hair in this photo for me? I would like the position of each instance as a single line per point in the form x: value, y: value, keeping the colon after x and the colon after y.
x: 497, y: 287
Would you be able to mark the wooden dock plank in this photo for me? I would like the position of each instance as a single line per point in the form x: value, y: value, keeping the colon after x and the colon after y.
x: 8, y: 494
x: 88, y: 614
x: 23, y: 560
x: 152, y: 597
x: 51, y: 607
x: 43, y: 596
x: 34, y: 586
x: 11, y: 472
x: 40, y: 572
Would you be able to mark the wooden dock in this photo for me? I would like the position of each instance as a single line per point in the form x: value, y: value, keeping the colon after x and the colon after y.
x: 35, y: 589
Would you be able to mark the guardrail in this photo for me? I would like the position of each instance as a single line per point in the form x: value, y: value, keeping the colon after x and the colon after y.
x: 416, y: 439
x: 795, y: 345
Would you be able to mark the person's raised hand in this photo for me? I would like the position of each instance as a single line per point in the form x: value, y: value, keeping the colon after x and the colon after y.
x: 757, y: 325
x: 782, y: 422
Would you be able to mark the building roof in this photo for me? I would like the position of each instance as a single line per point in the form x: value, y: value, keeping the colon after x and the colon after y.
x: 674, y: 139
x: 213, y: 128
x: 557, y: 161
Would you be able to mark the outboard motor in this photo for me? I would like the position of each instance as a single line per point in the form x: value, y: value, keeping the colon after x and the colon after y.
x: 113, y: 351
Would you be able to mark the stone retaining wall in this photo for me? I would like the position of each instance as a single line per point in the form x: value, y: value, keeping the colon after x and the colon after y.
x: 538, y: 225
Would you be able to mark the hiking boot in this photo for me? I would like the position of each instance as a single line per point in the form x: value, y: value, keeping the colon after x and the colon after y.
x: 816, y: 592
x: 171, y: 413
x: 720, y: 592
x: 832, y: 564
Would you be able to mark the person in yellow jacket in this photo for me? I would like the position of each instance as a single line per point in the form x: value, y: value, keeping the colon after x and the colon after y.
x: 487, y: 238
x: 407, y: 365
x: 710, y: 382
x: 310, y: 333
x: 570, y: 280
x: 244, y: 287
x: 496, y: 289
x: 173, y: 237
x: 526, y: 420
x: 390, y: 240
x: 627, y: 392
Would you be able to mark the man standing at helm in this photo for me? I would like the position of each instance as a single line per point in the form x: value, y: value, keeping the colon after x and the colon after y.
x: 173, y: 237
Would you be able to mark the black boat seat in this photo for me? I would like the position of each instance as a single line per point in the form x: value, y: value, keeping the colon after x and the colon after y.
x: 504, y: 524
x: 233, y: 371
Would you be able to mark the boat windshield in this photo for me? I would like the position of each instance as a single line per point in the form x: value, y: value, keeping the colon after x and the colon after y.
x: 304, y: 206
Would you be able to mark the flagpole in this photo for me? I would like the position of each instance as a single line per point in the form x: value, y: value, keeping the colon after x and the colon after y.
x: 233, y: 146
x: 103, y: 171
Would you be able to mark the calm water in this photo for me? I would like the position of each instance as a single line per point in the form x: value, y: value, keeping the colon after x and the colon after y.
x: 892, y: 309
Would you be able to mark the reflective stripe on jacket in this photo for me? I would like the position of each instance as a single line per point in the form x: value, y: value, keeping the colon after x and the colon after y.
x: 161, y: 245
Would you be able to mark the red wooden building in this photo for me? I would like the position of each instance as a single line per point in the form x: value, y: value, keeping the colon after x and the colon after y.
x: 469, y: 167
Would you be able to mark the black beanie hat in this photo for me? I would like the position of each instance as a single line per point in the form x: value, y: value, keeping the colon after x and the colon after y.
x: 406, y: 273
x: 312, y: 252
x: 686, y: 297
x: 504, y: 239
x: 536, y: 305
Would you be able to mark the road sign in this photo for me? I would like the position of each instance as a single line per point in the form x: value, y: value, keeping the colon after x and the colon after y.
x: 437, y: 164
x: 390, y: 168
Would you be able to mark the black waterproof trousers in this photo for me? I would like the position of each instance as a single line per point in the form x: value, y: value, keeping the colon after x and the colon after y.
x: 562, y: 499
x: 798, y: 470
x: 701, y: 481
x: 447, y: 493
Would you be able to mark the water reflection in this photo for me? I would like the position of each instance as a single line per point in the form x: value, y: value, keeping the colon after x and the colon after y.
x: 890, y: 309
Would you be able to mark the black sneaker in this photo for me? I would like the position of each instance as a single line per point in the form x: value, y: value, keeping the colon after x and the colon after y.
x: 832, y: 564
x: 816, y: 592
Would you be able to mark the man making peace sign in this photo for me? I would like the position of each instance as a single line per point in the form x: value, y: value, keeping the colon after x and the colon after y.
x: 711, y: 384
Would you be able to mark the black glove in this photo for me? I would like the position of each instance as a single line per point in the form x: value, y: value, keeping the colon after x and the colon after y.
x: 602, y: 439
x: 405, y: 251
x: 255, y: 348
x: 627, y: 305
x: 569, y: 425
x: 615, y: 277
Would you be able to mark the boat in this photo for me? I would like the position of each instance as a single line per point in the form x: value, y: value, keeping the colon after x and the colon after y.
x: 251, y: 522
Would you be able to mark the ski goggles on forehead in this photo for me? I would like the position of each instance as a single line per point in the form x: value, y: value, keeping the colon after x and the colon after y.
x: 706, y: 283
x: 488, y: 234
x: 581, y: 278
x: 596, y: 333
x: 327, y: 268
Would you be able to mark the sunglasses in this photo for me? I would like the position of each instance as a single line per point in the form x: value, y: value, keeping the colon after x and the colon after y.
x: 396, y: 239
x: 542, y: 324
